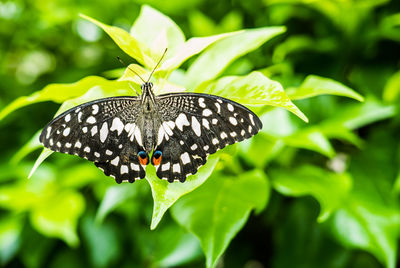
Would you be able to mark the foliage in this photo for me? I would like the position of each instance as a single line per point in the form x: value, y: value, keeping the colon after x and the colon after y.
x: 317, y: 187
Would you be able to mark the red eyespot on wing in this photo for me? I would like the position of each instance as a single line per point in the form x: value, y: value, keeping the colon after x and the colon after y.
x: 143, y: 160
x: 156, y: 161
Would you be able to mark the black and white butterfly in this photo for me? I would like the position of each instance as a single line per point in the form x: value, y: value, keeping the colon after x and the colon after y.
x: 180, y: 130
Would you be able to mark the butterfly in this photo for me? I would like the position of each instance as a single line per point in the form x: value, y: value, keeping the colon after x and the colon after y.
x: 178, y: 130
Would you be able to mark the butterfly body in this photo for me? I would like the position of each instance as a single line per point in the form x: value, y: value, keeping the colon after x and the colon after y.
x: 181, y: 129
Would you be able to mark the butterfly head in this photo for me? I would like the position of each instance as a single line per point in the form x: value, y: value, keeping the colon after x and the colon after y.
x: 147, y: 86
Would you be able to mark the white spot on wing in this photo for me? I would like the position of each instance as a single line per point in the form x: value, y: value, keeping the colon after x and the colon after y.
x: 91, y: 120
x: 196, y: 126
x: 124, y: 169
x: 161, y: 134
x: 201, y: 103
x: 95, y: 108
x: 84, y: 129
x: 138, y: 136
x: 233, y: 120
x: 205, y: 123
x: 48, y: 132
x: 67, y: 117
x: 185, y: 158
x: 66, y: 131
x: 167, y: 129
x: 215, y: 141
x: 207, y: 112
x: 194, y: 147
x: 214, y: 121
x: 135, y: 167
x: 117, y: 125
x: 68, y: 145
x: 80, y: 117
x: 165, y: 166
x: 115, y: 161
x: 223, y: 135
x: 218, y: 107
x: 78, y: 144
x: 176, y: 168
x: 230, y: 107
x: 233, y: 134
x: 96, y: 154
x: 87, y: 149
x: 104, y: 132
x: 93, y: 130
x: 181, y: 121
x: 251, y: 119
x: 108, y: 152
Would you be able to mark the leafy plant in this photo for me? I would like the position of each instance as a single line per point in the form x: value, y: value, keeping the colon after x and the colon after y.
x: 211, y: 208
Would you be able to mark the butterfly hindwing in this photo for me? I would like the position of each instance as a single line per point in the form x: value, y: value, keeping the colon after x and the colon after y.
x: 103, y: 131
x: 194, y: 126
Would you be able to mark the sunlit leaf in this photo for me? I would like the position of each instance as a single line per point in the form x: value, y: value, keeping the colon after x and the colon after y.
x: 150, y: 25
x: 217, y: 57
x: 43, y: 155
x: 58, y: 216
x: 165, y: 194
x: 330, y: 189
x: 315, y: 85
x: 254, y: 89
x: 190, y: 48
x: 391, y: 92
x: 60, y: 92
x: 129, y: 44
x: 217, y: 211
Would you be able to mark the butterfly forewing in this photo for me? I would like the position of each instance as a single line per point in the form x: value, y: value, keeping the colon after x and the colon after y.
x: 194, y: 126
x: 104, y: 131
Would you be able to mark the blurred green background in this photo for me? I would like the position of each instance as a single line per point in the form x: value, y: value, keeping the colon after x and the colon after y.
x: 334, y: 182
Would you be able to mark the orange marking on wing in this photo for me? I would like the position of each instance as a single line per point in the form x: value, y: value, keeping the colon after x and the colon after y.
x: 156, y: 161
x: 143, y: 161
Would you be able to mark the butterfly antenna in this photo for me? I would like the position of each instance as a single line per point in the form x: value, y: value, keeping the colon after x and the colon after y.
x: 121, y: 61
x: 158, y: 63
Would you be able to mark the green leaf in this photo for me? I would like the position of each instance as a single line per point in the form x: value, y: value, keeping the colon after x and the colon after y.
x: 157, y: 31
x: 43, y: 155
x: 311, y: 139
x: 370, y: 226
x: 114, y: 196
x: 165, y: 194
x: 217, y: 57
x: 330, y: 189
x: 29, y: 147
x: 190, y: 48
x: 315, y: 85
x: 58, y: 216
x: 59, y: 93
x: 102, y: 242
x: 126, y: 42
x: 10, y: 237
x: 217, y: 211
x: 360, y: 114
x: 254, y: 89
x: 391, y: 92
